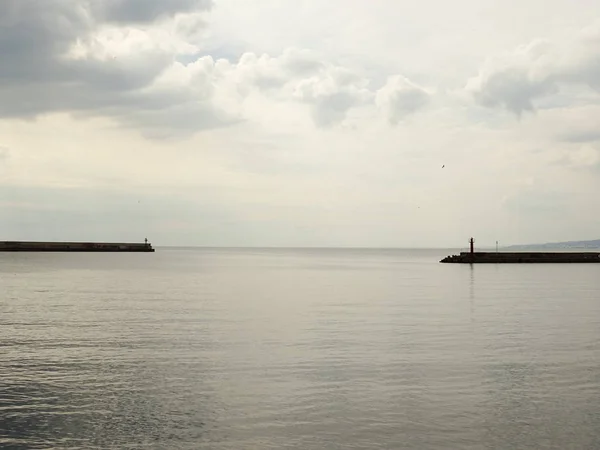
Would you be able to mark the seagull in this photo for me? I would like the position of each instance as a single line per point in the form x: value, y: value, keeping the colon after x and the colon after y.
x: 443, y: 166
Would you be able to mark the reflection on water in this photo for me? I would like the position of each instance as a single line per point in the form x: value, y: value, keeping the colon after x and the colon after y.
x: 472, y: 289
x: 296, y: 349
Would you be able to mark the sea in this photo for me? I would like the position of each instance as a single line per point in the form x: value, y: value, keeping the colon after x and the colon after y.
x: 199, y: 348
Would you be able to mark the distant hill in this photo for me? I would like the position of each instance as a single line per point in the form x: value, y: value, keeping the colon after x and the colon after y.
x: 558, y: 245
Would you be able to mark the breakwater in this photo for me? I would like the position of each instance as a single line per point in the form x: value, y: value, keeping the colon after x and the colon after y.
x: 523, y: 257
x: 24, y: 246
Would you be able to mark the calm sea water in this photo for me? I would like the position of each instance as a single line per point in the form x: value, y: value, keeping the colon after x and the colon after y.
x: 298, y: 349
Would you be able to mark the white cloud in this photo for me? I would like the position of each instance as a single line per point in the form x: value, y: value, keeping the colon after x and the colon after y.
x: 301, y: 75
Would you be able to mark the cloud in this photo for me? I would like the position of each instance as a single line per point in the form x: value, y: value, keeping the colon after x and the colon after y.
x: 539, y: 70
x: 89, y: 57
x: 581, y: 136
x: 145, y: 11
x: 122, y: 59
x: 332, y: 93
x: 300, y: 75
x: 301, y: 62
x: 267, y: 72
x: 400, y: 98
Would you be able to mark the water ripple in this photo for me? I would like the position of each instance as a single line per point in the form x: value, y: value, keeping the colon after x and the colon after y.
x: 232, y: 349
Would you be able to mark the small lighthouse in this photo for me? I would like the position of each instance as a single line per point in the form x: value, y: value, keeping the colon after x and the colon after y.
x: 472, y: 245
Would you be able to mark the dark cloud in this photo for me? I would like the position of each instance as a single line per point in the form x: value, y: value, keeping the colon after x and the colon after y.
x: 301, y: 62
x: 37, y: 76
x: 328, y: 110
x: 400, y: 98
x: 144, y: 11
x: 110, y: 58
x: 539, y: 70
x: 581, y: 136
x: 513, y: 90
x: 34, y: 35
x: 332, y: 93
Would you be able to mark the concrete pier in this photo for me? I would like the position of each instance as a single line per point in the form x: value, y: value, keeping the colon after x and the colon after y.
x: 473, y: 257
x: 25, y: 246
x: 523, y: 257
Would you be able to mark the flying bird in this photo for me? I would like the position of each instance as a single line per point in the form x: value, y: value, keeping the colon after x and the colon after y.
x: 443, y: 166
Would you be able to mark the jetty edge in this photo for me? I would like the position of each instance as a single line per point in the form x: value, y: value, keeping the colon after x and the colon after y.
x: 473, y: 257
x: 33, y: 246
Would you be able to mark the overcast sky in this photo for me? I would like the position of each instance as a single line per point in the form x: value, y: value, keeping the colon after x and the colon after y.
x: 300, y: 123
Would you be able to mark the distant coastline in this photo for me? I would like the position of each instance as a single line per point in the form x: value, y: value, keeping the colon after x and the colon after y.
x: 593, y: 244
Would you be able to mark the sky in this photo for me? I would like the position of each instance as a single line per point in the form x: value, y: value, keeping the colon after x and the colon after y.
x: 352, y: 123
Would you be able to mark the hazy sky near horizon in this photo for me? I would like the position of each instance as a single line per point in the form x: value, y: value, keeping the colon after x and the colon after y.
x: 300, y: 123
